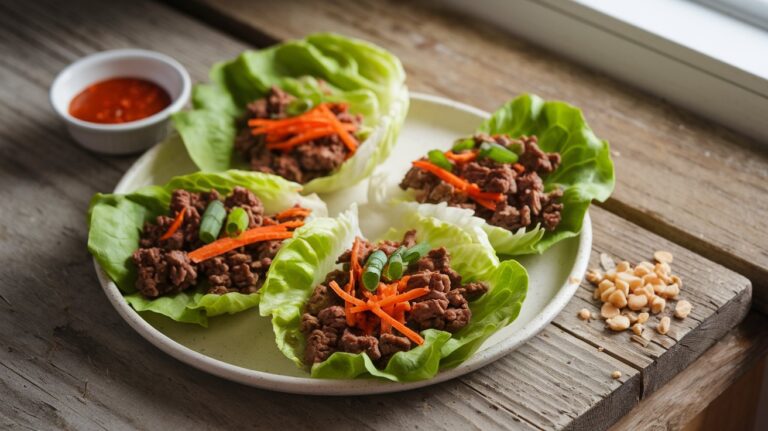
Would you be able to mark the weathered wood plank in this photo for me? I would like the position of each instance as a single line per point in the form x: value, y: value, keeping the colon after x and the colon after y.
x: 677, y: 175
x: 68, y: 360
x: 674, y: 405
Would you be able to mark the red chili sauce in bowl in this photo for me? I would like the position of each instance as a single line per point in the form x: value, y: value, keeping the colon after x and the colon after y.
x: 119, y: 100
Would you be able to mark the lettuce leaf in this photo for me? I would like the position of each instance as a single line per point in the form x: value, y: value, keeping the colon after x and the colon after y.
x: 115, y: 223
x: 585, y: 174
x: 323, y: 67
x: 286, y: 292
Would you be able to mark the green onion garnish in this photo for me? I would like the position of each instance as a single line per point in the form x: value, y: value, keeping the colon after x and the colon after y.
x: 395, y: 264
x: 213, y: 220
x: 497, y: 153
x: 237, y: 222
x: 438, y: 158
x: 517, y: 147
x: 372, y: 269
x: 416, y: 252
x: 463, y: 144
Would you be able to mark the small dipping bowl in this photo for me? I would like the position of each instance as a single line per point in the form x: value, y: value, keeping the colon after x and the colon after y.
x: 128, y: 137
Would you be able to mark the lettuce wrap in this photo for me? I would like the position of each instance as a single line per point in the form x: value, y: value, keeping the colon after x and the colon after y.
x: 115, y: 223
x: 585, y: 174
x: 323, y: 67
x: 305, y: 260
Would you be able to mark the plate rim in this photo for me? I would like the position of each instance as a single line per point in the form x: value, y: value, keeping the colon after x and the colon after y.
x: 338, y: 387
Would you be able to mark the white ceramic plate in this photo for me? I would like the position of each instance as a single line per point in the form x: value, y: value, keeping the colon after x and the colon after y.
x: 241, y: 347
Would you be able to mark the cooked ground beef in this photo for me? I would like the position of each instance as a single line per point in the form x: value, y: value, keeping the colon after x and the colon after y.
x: 164, y: 266
x: 313, y: 159
x: 445, y: 307
x: 526, y: 201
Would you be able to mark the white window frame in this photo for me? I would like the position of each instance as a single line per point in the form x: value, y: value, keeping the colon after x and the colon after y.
x: 684, y: 51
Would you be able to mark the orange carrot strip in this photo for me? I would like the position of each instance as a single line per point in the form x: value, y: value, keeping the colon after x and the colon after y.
x: 280, y: 133
x: 461, y: 157
x: 461, y: 184
x: 256, y: 122
x: 293, y: 212
x: 349, y: 288
x: 407, y: 296
x: 441, y: 173
x: 348, y: 140
x: 290, y: 224
x: 402, y: 283
x: 344, y: 295
x: 519, y: 168
x: 224, y: 245
x: 408, y: 332
x: 400, y: 310
x: 354, y: 263
x: 491, y: 205
x: 175, y: 225
x: 300, y: 139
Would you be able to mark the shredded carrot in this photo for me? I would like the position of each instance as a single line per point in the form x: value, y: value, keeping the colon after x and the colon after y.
x: 407, y: 296
x: 461, y: 157
x: 348, y: 140
x: 354, y: 263
x: 344, y: 295
x: 279, y: 133
x: 400, y: 310
x: 175, y: 225
x: 350, y: 289
x: 403, y: 283
x: 293, y: 212
x: 483, y: 198
x: 224, y: 245
x: 519, y: 168
x: 301, y: 138
x: 412, y: 335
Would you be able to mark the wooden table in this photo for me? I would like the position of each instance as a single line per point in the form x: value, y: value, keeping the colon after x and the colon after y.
x: 685, y: 185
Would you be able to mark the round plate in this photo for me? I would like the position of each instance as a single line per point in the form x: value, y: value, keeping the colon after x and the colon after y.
x: 241, y: 347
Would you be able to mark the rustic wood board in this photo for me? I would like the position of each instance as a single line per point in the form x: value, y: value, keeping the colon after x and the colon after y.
x: 69, y: 362
x: 677, y: 175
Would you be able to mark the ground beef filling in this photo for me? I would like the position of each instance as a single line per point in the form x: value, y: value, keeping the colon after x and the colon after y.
x: 313, y: 159
x: 164, y: 266
x: 445, y: 307
x: 526, y: 203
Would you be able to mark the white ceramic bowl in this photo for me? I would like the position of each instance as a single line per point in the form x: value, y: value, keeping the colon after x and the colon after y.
x: 122, y: 138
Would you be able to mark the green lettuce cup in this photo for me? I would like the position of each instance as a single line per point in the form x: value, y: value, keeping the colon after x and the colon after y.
x: 115, y: 223
x: 585, y: 173
x: 305, y: 260
x: 323, y: 67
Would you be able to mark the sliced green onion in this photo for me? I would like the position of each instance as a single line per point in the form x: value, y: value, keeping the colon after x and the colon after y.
x: 237, y: 222
x: 213, y: 220
x: 416, y: 252
x: 497, y: 153
x: 463, y: 144
x: 516, y: 147
x: 395, y: 264
x: 438, y: 158
x: 372, y: 269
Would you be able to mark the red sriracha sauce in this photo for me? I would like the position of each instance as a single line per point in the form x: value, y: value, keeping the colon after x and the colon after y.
x: 119, y: 100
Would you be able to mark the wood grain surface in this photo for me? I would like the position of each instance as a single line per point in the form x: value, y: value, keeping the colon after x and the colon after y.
x: 678, y: 175
x: 69, y: 362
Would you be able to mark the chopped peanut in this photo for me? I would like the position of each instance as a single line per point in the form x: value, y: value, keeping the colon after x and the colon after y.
x: 663, y: 326
x: 584, y: 314
x: 608, y: 311
x: 637, y: 328
x: 618, y: 323
x: 616, y: 375
x: 682, y: 309
x: 658, y: 305
x: 618, y: 299
x: 637, y: 302
x: 594, y: 276
x: 642, y: 317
